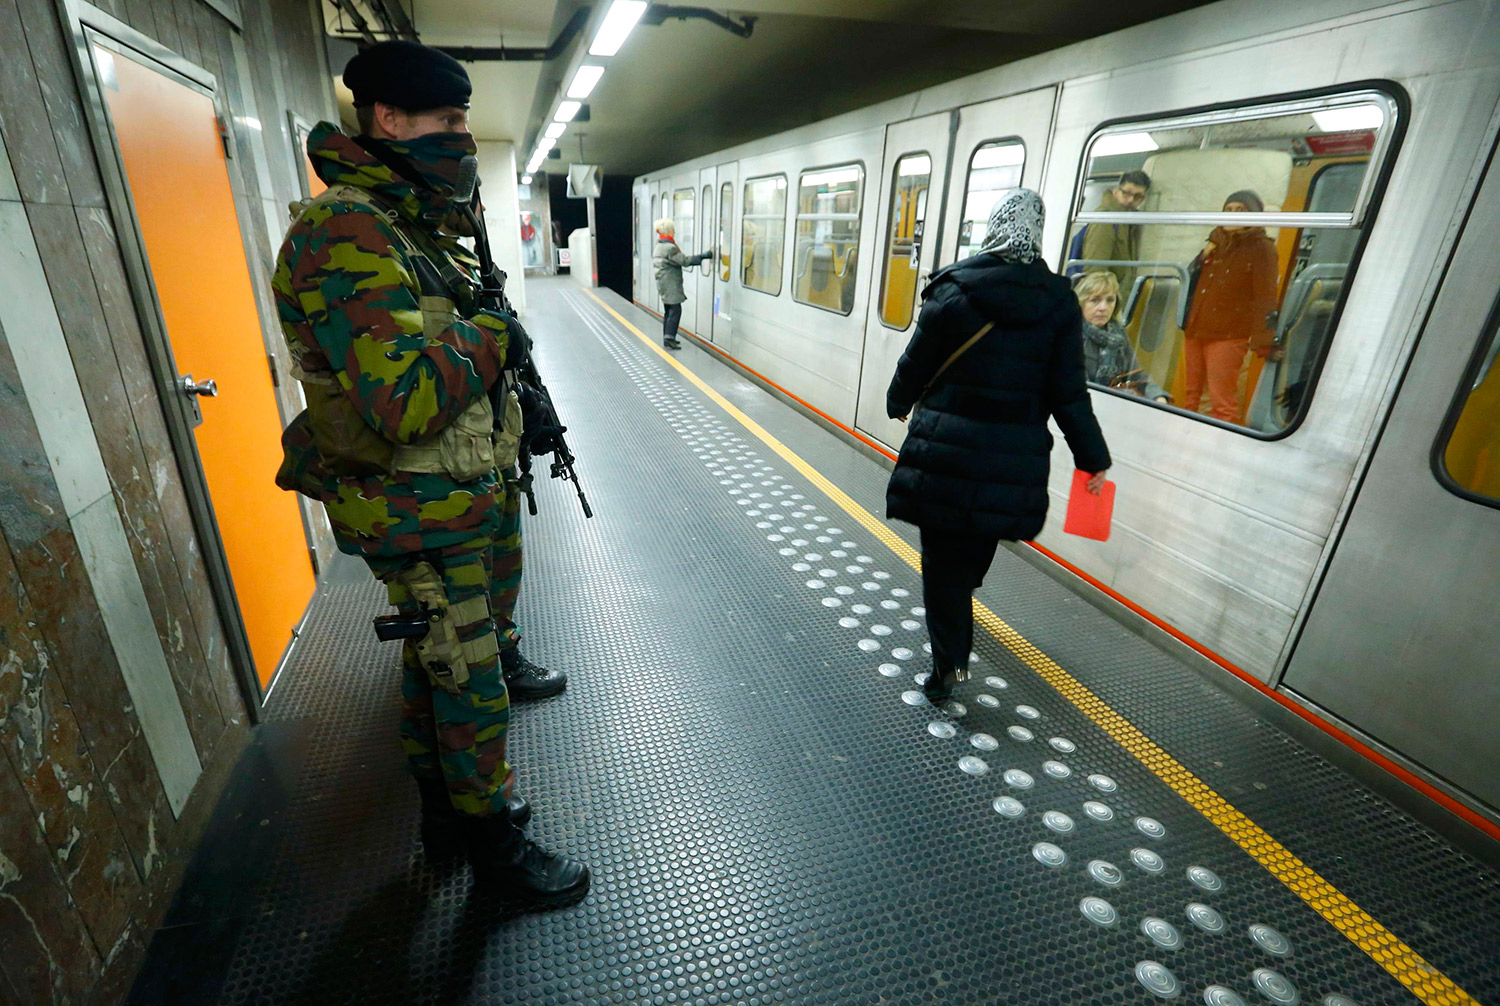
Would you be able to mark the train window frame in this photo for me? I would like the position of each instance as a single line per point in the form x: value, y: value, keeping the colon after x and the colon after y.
x: 708, y: 203
x: 885, y: 251
x: 744, y: 202
x: 963, y: 202
x: 1486, y: 355
x: 691, y: 194
x: 1387, y: 147
x: 798, y: 216
x: 726, y: 232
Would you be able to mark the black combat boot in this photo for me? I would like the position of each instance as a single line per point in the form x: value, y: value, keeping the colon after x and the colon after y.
x: 511, y: 866
x: 441, y: 836
x: 525, y: 680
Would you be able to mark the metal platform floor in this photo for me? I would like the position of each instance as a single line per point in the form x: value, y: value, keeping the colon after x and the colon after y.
x: 772, y: 812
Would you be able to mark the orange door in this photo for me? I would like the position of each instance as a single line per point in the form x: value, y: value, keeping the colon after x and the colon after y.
x: 169, y: 141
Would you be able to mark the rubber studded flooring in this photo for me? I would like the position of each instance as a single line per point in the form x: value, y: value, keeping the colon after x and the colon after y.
x: 771, y: 811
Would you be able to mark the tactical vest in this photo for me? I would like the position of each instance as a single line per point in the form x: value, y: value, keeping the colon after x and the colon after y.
x: 467, y: 448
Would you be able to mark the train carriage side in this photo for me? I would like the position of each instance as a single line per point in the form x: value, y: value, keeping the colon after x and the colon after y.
x: 1363, y: 158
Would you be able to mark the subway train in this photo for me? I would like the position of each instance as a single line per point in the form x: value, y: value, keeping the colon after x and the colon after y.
x: 1329, y: 531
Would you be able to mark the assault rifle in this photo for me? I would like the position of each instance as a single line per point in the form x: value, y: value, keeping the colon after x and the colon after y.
x: 542, y: 430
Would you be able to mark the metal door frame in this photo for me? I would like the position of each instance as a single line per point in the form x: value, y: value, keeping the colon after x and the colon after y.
x: 727, y: 173
x: 890, y: 159
x: 85, y: 25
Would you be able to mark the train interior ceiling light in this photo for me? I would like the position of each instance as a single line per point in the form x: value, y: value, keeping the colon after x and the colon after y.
x: 556, y: 130
x: 617, y: 26
x: 1123, y: 143
x: 566, y: 110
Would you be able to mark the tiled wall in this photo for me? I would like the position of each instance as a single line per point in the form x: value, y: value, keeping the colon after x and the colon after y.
x: 90, y: 846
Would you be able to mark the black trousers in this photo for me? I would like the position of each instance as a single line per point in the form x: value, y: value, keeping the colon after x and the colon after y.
x: 953, y: 566
x: 669, y: 320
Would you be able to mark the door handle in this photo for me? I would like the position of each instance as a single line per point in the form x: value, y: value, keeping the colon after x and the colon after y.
x: 208, y: 388
x: 195, y: 390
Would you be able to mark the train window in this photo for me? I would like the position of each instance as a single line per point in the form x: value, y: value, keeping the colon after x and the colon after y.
x: 682, y: 216
x: 1210, y: 252
x: 994, y: 169
x: 708, y: 213
x: 825, y: 259
x: 763, y: 233
x: 726, y: 221
x: 903, y: 241
x: 1471, y: 457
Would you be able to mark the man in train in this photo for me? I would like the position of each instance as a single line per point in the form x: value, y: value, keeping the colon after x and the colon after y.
x: 1117, y: 242
x: 404, y: 374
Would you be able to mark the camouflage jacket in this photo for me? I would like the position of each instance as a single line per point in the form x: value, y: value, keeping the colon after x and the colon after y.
x: 349, y: 294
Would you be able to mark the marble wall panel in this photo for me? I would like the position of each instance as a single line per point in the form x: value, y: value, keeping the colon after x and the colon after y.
x: 47, y: 751
x: 24, y: 121
x: 54, y: 72
x: 49, y: 957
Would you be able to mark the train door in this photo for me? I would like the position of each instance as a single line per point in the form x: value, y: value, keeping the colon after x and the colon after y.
x: 997, y: 148
x: 1401, y: 640
x: 725, y: 253
x: 912, y: 178
x: 707, y: 222
x: 192, y: 268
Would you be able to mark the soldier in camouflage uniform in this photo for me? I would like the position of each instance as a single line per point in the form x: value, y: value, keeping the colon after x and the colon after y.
x: 403, y: 373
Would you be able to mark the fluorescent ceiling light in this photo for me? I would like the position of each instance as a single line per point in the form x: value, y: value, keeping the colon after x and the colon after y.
x: 525, y: 179
x: 1003, y: 156
x: 545, y: 144
x: 566, y: 110
x: 584, y: 80
x: 1123, y: 143
x: 835, y: 177
x: 1350, y: 118
x: 556, y: 129
x: 618, y: 23
x: 915, y: 166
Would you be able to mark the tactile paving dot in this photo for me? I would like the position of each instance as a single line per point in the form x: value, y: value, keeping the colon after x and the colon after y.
x: 1218, y: 995
x: 1008, y: 806
x: 1161, y: 932
x: 1205, y: 878
x: 1269, y: 940
x: 1157, y: 979
x: 1098, y: 911
x: 1205, y: 918
x: 1275, y: 987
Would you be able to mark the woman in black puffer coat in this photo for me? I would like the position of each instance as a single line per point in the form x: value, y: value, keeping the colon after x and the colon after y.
x: 973, y: 470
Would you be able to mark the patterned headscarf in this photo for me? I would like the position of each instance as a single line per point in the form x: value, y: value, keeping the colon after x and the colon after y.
x: 1015, y: 232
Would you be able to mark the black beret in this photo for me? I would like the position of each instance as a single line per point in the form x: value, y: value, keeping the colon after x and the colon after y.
x: 409, y: 75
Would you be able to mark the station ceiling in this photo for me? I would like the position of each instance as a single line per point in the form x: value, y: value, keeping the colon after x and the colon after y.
x: 689, y: 87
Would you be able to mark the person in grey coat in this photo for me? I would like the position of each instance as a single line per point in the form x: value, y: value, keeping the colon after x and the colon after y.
x: 669, y: 261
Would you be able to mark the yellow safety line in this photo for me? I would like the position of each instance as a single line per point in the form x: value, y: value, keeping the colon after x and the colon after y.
x: 1405, y: 964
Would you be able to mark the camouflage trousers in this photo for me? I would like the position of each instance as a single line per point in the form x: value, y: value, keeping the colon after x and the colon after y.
x: 461, y: 738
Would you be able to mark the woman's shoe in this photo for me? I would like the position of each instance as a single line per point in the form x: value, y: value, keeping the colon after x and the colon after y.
x: 939, y: 684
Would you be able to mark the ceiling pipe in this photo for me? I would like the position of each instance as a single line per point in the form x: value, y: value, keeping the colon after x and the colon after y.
x: 658, y: 13
x: 347, y: 8
x: 485, y: 53
x: 395, y: 18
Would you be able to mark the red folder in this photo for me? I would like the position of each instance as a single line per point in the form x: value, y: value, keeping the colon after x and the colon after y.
x: 1088, y: 515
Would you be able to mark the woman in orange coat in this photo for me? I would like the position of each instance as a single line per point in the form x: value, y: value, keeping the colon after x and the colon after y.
x: 1232, y: 305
